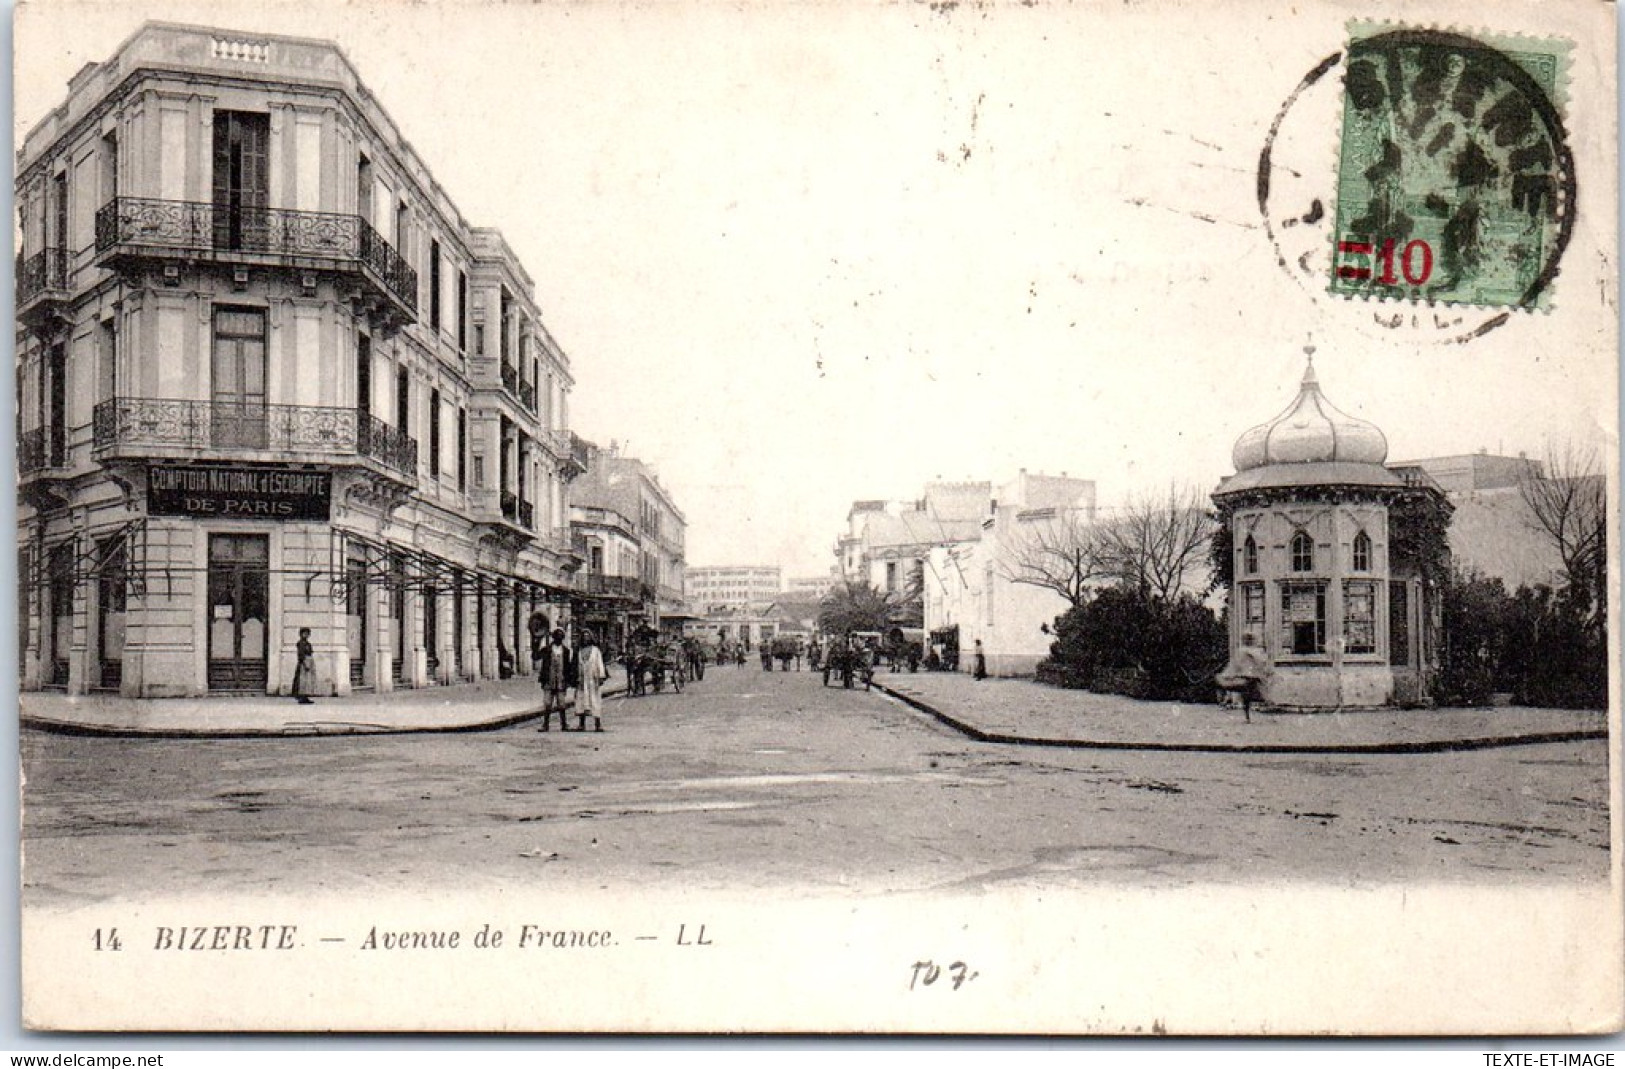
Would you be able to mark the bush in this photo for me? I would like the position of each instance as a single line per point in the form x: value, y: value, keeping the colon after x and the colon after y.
x: 1124, y: 641
x: 1537, y: 645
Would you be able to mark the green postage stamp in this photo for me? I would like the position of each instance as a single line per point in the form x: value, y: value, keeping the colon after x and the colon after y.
x: 1455, y: 183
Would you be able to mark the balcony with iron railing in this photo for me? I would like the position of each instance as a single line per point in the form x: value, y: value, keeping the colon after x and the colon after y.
x: 41, y: 449
x: 142, y: 427
x: 42, y: 283
x: 503, y: 510
x: 617, y: 586
x: 147, y: 227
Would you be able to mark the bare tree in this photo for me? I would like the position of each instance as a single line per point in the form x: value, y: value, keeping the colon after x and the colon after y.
x: 1061, y: 552
x: 1569, y: 504
x: 1154, y: 543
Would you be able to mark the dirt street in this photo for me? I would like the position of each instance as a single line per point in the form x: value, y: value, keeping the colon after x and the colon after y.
x: 768, y: 780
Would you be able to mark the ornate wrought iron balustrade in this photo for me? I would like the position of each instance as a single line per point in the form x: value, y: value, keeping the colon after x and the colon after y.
x: 384, y: 443
x: 510, y: 505
x: 204, y: 227
x: 527, y: 395
x: 510, y: 378
x: 238, y: 426
x: 31, y: 450
x: 527, y: 515
x: 44, y: 271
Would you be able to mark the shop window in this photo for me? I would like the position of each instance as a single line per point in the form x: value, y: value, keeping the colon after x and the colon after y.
x: 1303, y: 618
x: 1252, y: 610
x: 1303, y: 552
x: 1360, y: 616
x: 1362, y: 552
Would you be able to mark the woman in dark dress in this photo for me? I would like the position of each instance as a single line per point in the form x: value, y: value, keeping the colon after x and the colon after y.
x: 304, y: 668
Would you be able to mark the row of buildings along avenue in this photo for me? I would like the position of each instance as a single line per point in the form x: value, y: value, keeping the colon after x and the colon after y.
x: 1342, y: 621
x: 270, y: 378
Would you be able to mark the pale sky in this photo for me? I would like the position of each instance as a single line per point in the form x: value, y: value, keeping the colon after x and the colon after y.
x: 802, y: 254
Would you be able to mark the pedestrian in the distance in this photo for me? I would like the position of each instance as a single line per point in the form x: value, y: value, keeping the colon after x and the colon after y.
x: 980, y: 663
x: 304, y: 668
x: 590, y: 691
x: 558, y: 676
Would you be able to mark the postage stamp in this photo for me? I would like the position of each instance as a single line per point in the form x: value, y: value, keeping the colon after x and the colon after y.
x: 1455, y: 183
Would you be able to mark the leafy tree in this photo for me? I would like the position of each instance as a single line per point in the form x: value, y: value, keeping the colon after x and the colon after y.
x: 860, y: 607
x: 1128, y: 640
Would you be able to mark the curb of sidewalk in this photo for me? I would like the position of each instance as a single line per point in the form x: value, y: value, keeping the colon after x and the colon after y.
x: 1431, y: 746
x: 302, y: 730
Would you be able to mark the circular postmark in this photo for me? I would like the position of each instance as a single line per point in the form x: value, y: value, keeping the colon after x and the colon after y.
x: 1445, y: 200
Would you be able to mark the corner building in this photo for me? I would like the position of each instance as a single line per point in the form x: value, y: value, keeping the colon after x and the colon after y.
x: 269, y: 378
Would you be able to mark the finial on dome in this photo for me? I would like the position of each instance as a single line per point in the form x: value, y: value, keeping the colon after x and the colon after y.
x: 1309, y: 371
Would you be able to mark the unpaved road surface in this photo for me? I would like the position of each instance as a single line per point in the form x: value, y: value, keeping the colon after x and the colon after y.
x: 753, y: 780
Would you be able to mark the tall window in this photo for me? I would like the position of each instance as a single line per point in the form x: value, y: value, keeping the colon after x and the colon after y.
x: 1249, y: 556
x: 1303, y: 552
x: 363, y: 188
x: 1362, y: 552
x: 462, y: 311
x: 238, y: 412
x: 462, y: 449
x: 434, y: 285
x: 1360, y: 616
x: 54, y: 404
x: 1303, y: 618
x: 241, y: 182
x: 109, y: 167
x: 403, y: 400
x: 107, y: 371
x: 434, y: 434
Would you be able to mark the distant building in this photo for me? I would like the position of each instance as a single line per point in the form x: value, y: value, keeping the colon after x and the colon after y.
x: 626, y: 485
x: 713, y: 585
x: 1492, y: 531
x: 968, y: 591
x: 886, y: 543
x: 612, y: 598
x: 811, y: 587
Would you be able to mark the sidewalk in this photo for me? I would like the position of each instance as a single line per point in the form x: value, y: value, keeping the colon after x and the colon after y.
x: 1023, y: 711
x: 465, y: 707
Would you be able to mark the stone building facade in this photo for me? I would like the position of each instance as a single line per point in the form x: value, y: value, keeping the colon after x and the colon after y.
x: 269, y: 378
x: 615, y: 482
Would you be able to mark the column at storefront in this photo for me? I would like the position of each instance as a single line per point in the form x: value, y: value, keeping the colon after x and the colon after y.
x: 437, y: 622
x: 490, y: 624
x: 381, y: 654
x: 305, y: 596
x: 462, y: 627
x: 417, y: 658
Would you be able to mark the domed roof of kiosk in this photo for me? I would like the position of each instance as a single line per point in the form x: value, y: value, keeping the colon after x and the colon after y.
x: 1311, y: 443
